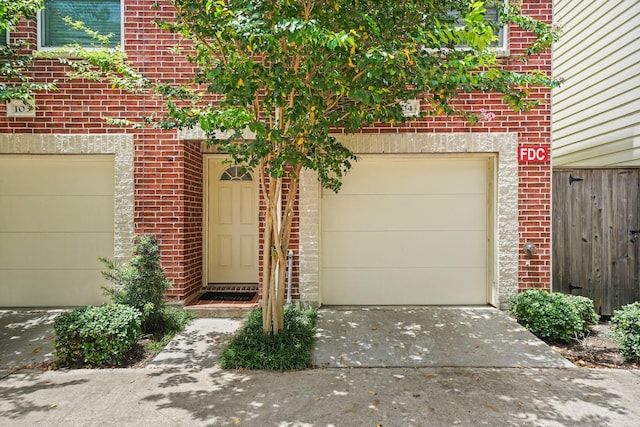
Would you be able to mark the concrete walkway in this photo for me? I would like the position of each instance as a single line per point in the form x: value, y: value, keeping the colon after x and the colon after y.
x: 182, y: 387
x: 322, y: 397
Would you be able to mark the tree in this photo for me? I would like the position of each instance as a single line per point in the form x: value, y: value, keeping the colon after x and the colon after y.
x: 14, y: 62
x: 292, y: 71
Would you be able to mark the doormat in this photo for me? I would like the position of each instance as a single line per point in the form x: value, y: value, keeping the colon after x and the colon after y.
x: 227, y: 296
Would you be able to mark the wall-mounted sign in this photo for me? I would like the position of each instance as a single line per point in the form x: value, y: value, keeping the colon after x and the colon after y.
x: 16, y: 108
x: 411, y: 108
x: 533, y: 154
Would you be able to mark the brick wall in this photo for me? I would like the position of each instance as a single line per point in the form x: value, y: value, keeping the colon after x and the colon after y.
x: 168, y: 172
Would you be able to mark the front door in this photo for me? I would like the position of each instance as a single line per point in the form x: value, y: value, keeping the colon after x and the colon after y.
x: 232, y: 224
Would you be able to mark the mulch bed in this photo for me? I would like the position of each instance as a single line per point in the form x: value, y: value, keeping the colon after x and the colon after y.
x: 597, y: 350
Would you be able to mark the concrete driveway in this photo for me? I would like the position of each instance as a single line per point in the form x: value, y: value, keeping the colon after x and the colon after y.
x: 185, y: 388
x: 368, y: 337
x: 26, y: 337
x: 416, y: 337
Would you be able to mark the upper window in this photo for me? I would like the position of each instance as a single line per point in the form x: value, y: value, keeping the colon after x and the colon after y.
x: 102, y: 16
x: 491, y: 15
x: 4, y: 38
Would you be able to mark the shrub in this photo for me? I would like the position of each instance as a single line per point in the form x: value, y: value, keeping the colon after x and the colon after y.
x: 554, y: 316
x: 96, y: 336
x: 290, y: 349
x: 174, y: 320
x: 141, y: 284
x: 625, y: 330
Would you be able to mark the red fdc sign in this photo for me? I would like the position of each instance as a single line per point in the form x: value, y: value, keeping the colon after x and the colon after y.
x: 533, y: 154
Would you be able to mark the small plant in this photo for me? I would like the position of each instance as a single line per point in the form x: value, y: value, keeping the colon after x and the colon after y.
x: 141, y: 284
x: 554, y: 316
x: 96, y: 335
x: 174, y: 321
x: 291, y: 349
x: 625, y: 330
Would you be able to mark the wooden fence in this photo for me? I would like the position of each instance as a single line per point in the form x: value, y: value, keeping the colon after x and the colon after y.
x: 596, y: 235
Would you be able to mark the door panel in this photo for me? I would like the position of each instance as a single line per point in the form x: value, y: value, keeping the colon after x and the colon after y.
x: 56, y: 219
x: 409, y: 230
x: 232, y: 224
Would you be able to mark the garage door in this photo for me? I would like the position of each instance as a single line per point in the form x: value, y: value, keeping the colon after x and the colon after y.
x: 407, y: 231
x: 56, y: 219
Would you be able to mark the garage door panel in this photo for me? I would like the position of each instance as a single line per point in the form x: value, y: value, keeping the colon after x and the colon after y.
x: 50, y: 288
x: 404, y: 287
x: 56, y: 213
x: 446, y: 212
x: 407, y: 230
x: 56, y: 219
x: 406, y: 250
x: 56, y: 175
x: 382, y: 175
x: 54, y: 250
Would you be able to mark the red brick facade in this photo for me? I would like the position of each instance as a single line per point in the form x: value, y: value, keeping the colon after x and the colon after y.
x: 168, y: 172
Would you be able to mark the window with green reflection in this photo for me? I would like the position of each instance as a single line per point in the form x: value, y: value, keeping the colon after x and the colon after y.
x: 103, y: 16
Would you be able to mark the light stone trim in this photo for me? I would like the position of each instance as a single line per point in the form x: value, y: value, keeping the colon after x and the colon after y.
x: 504, y: 264
x: 120, y: 146
x: 197, y: 134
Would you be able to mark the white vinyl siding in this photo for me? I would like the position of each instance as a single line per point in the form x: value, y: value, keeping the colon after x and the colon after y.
x: 596, y: 112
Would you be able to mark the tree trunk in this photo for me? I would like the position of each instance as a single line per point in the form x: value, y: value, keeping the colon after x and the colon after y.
x: 277, y: 233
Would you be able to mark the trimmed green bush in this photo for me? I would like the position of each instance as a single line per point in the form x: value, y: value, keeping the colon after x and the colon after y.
x: 290, y: 349
x: 625, y: 330
x: 96, y: 336
x: 554, y: 316
x: 141, y: 284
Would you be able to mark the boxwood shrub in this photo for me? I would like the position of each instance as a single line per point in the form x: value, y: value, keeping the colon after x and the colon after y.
x: 625, y: 330
x: 554, y: 316
x: 96, y: 336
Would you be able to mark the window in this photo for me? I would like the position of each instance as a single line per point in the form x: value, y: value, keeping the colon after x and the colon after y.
x: 103, y: 16
x: 492, y: 16
x: 4, y: 38
x: 236, y: 173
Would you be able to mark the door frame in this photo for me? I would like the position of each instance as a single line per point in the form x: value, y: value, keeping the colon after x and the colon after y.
x: 205, y: 217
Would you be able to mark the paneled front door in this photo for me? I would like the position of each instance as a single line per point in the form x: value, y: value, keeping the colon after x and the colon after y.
x: 232, y: 223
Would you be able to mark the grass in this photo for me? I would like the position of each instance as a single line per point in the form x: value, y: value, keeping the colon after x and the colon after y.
x: 289, y: 350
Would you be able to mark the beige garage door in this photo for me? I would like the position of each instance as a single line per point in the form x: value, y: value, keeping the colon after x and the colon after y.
x: 56, y: 219
x: 407, y: 231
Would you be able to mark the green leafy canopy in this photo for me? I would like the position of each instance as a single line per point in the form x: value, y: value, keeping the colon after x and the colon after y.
x: 15, y: 82
x: 293, y: 71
